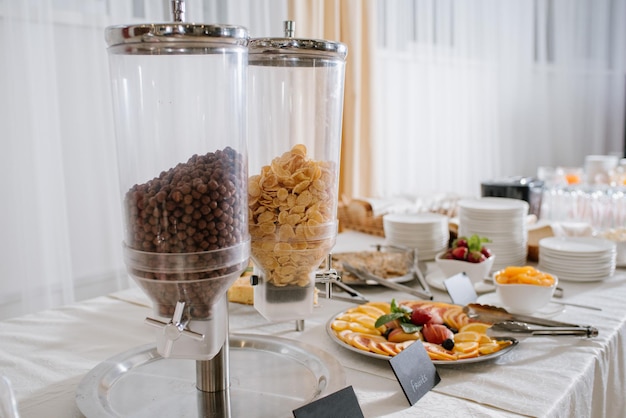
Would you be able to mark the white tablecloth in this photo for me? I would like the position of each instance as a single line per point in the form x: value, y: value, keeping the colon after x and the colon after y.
x: 45, y: 356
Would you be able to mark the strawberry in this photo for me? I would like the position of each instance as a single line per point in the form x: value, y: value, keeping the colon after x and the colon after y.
x: 420, y: 316
x: 448, y: 255
x: 469, y: 249
x: 476, y: 257
x: 460, y: 253
x: 436, y: 333
x: 460, y: 242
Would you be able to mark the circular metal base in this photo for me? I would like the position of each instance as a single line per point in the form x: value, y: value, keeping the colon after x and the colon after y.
x: 269, y: 377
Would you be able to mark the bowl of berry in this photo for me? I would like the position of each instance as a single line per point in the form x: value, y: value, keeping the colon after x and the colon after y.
x: 467, y: 255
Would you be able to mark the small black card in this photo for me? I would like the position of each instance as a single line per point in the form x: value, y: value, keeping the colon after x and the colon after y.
x: 415, y: 371
x: 340, y: 404
x: 461, y: 289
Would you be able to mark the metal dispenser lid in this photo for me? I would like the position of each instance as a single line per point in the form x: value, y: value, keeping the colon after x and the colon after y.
x: 173, y: 38
x: 263, y: 51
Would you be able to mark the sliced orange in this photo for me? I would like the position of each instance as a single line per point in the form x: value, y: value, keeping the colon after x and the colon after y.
x: 403, y: 345
x: 466, y: 346
x: 344, y: 335
x: 479, y: 327
x: 471, y: 354
x: 392, y: 348
x: 489, y: 348
x: 437, y: 352
x: 340, y: 325
x: 365, y: 320
x: 466, y: 336
x: 349, y: 316
x: 362, y: 341
x: 383, y: 306
x: 372, y: 311
x: 356, y: 327
x: 377, y: 347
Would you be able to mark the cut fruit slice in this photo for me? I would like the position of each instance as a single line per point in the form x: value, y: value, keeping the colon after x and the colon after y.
x: 393, y: 348
x: 470, y: 354
x: 362, y: 341
x: 479, y: 327
x: 466, y: 346
x: 437, y: 352
x: 372, y: 311
x: 378, y: 348
x: 383, y: 306
x: 489, y: 348
x: 356, y: 327
x: 340, y: 325
x: 466, y: 336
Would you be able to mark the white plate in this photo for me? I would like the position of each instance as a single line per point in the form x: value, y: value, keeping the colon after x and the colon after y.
x: 548, y: 311
x: 436, y: 278
x: 573, y: 277
x: 478, y: 359
x: 423, y: 219
x: 488, y: 204
x: 578, y: 245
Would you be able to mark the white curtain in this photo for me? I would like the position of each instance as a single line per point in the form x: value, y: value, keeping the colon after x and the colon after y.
x: 60, y: 211
x: 472, y: 90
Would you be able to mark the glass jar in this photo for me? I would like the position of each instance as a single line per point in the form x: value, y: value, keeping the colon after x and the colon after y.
x: 179, y: 108
x: 295, y: 94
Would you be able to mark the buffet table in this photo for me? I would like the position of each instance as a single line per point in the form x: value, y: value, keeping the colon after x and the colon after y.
x: 47, y: 354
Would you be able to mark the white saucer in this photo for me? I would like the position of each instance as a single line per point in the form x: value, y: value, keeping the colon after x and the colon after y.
x: 436, y: 278
x: 548, y: 311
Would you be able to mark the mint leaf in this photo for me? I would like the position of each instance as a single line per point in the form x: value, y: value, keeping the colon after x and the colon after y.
x: 409, y: 328
x: 475, y: 242
x: 382, y: 320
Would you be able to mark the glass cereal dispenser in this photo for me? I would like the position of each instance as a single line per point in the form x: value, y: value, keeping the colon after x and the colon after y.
x: 295, y: 96
x: 179, y: 109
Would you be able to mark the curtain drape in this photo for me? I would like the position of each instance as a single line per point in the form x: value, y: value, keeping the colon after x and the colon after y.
x: 61, y: 211
x: 351, y: 22
x: 468, y: 91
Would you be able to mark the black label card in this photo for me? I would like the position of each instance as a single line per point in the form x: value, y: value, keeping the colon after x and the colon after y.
x: 461, y: 289
x: 341, y: 404
x: 415, y: 371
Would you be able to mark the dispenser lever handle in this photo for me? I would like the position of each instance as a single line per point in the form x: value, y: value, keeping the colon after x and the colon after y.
x: 173, y: 329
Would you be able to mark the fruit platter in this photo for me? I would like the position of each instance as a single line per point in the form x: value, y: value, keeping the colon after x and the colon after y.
x: 383, y: 329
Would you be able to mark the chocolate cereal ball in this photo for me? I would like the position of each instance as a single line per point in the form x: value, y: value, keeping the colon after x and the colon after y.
x: 194, y: 210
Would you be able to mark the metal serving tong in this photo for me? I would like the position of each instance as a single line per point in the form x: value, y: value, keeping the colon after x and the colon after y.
x: 508, y: 327
x: 365, y: 276
x: 505, y: 323
x: 329, y: 278
x: 416, y: 269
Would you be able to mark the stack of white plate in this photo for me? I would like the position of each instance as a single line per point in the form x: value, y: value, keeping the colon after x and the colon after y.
x: 578, y: 259
x: 427, y: 232
x: 503, y: 221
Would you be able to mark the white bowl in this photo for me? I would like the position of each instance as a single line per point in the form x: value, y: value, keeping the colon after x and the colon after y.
x: 475, y: 271
x: 524, y: 298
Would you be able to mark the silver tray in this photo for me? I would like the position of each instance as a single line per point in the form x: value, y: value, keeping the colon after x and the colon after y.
x: 269, y: 377
x: 479, y: 359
